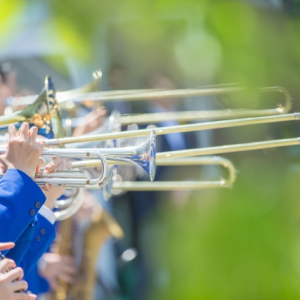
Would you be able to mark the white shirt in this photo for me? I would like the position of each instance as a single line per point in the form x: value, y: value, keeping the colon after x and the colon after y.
x: 48, y: 214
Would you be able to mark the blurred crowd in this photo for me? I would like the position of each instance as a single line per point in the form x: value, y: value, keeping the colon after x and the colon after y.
x: 123, y: 268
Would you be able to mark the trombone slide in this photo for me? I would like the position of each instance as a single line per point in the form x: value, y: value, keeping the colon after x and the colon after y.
x: 177, y: 185
x: 175, y: 129
x: 228, y: 148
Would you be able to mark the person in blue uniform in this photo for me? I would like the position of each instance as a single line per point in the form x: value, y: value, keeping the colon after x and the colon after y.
x: 20, y: 196
x: 11, y: 280
x: 24, y: 207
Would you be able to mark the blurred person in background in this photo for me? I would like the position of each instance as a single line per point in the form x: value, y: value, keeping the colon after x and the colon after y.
x: 140, y: 205
x: 117, y: 80
x: 7, y: 84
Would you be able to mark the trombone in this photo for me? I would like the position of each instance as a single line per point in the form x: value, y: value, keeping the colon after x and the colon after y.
x: 189, y: 116
x: 171, y: 185
x: 174, y: 129
x: 68, y: 99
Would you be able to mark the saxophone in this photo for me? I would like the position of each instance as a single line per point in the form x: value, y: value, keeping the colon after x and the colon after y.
x: 102, y: 226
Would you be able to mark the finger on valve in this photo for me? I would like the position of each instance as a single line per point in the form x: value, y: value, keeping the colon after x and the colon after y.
x: 32, y: 134
x: 6, y: 265
x: 12, y: 133
x: 15, y: 274
x: 23, y: 131
x: 19, y: 286
x: 58, y: 164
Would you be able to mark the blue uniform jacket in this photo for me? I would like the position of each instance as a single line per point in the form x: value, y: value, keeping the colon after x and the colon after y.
x: 20, y: 200
x: 23, y: 243
x: 43, y: 237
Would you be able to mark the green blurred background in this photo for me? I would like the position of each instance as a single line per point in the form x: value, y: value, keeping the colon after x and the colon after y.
x: 241, y: 243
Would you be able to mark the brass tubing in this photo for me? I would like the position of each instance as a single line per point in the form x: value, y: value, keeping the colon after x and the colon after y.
x: 177, y: 185
x: 136, y: 95
x: 174, y: 129
x: 228, y: 148
x: 188, y: 116
x: 165, y: 185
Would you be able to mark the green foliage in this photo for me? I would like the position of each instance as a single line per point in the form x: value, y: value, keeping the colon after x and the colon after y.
x: 9, y: 11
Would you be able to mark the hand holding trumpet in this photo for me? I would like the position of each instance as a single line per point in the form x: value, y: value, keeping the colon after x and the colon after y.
x: 23, y: 150
x: 11, y: 279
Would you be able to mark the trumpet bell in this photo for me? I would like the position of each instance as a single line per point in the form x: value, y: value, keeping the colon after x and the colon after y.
x: 143, y: 155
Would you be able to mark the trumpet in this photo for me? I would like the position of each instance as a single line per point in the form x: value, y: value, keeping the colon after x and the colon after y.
x: 67, y: 208
x: 70, y: 178
x: 143, y: 155
x: 171, y: 185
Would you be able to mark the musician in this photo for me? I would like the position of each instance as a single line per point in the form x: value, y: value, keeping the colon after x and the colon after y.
x: 20, y: 196
x: 34, y: 237
x: 50, y: 266
x: 11, y: 280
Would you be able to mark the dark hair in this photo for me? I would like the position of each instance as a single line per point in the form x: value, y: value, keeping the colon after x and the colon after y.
x: 5, y: 69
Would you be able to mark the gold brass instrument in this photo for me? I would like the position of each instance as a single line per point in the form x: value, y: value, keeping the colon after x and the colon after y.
x: 189, y: 116
x: 68, y: 99
x: 186, y: 116
x: 102, y: 226
x: 43, y: 113
x: 174, y: 129
x: 173, y: 185
x: 229, y: 148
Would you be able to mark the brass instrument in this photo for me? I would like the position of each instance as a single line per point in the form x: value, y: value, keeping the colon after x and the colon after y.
x: 142, y: 155
x: 174, y: 129
x: 173, y: 185
x: 230, y: 148
x: 102, y: 226
x: 189, y: 116
x: 68, y: 99
x: 43, y: 113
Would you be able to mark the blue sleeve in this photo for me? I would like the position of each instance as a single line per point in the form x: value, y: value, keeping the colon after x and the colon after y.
x: 22, y: 244
x: 20, y: 200
x: 43, y: 237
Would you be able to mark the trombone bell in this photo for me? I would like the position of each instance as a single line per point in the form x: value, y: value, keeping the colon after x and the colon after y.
x: 43, y: 113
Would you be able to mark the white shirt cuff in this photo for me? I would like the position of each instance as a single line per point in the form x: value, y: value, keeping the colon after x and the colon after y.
x: 48, y: 214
